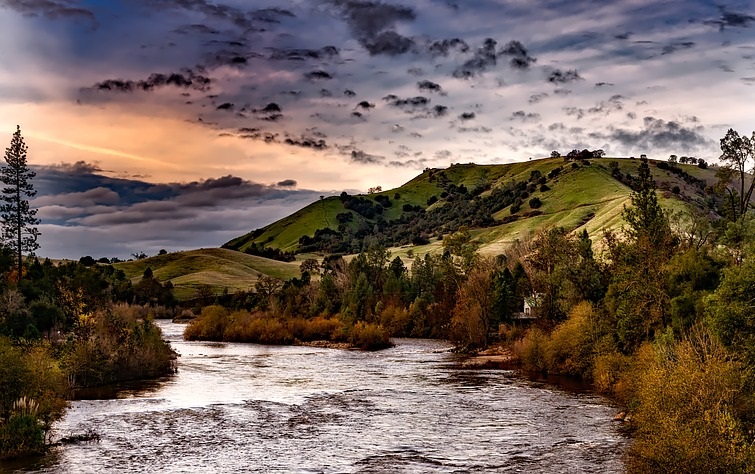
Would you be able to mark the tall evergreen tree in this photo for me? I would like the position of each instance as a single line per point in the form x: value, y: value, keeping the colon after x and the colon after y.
x: 19, y: 221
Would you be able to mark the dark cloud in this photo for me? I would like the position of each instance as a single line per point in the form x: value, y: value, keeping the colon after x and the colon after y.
x: 558, y: 76
x: 196, y: 29
x: 325, y: 93
x: 660, y: 134
x: 525, y: 116
x: 313, y: 143
x: 318, y: 75
x: 429, y: 86
x: 373, y: 23
x: 467, y: 116
x: 444, y: 47
x: 364, y: 105
x: 604, y: 84
x: 520, y: 57
x: 186, y: 79
x: 535, y: 98
x: 272, y: 15
x: 287, y: 183
x: 731, y: 19
x: 359, y: 156
x: 484, y: 58
x: 440, y: 111
x: 236, y: 16
x: 349, y: 93
x: 49, y: 9
x: 327, y: 52
x: 225, y: 106
x: 409, y: 105
x: 271, y: 108
x: 674, y: 47
x: 389, y: 43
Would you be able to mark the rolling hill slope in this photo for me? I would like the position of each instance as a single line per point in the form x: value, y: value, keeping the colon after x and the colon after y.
x: 219, y: 268
x: 575, y: 195
x: 493, y: 200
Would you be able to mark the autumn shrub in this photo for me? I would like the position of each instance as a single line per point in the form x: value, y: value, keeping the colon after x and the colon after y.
x: 693, y: 409
x: 396, y: 320
x: 569, y: 349
x: 257, y: 328
x: 369, y: 336
x: 530, y: 350
x: 317, y: 329
x: 608, y: 373
x: 209, y: 326
x: 116, y: 346
x: 509, y: 333
x: 32, y: 397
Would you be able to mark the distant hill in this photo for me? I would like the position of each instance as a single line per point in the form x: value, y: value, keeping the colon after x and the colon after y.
x: 219, y: 268
x: 575, y: 194
x: 413, y: 218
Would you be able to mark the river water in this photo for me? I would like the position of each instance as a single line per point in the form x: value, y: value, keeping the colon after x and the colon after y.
x: 412, y: 408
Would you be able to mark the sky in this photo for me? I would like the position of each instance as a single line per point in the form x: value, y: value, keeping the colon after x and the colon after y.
x: 181, y: 124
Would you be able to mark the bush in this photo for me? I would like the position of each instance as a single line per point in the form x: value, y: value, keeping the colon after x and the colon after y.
x: 32, y: 397
x: 115, y: 346
x: 535, y: 203
x: 368, y: 336
x: 530, y: 350
x: 692, y: 409
x: 569, y: 350
x: 209, y: 326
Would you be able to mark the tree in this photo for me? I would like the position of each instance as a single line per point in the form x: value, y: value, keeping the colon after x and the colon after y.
x: 19, y: 220
x: 739, y: 154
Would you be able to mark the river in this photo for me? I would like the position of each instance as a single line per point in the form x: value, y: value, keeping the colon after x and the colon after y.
x: 412, y: 408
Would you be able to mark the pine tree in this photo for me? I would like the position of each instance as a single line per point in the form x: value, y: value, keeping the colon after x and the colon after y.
x: 19, y: 231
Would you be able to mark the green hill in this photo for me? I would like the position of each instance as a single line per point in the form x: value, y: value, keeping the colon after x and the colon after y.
x: 414, y: 217
x: 588, y: 195
x: 218, y: 268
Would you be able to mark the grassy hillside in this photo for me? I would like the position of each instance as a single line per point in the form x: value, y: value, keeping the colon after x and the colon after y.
x: 219, y: 268
x: 588, y: 195
x: 578, y: 196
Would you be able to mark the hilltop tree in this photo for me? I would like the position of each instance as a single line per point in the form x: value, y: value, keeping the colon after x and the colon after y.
x: 18, y: 219
x: 739, y: 154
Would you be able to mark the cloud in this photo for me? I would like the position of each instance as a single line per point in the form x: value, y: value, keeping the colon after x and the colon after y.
x: 520, y: 58
x: 523, y: 116
x: 287, y: 183
x: 326, y: 52
x: 558, y: 76
x: 409, y: 105
x: 661, y: 134
x: 373, y: 23
x: 446, y: 46
x: 467, y: 116
x: 90, y: 197
x: 731, y: 19
x: 318, y: 75
x: 186, y: 79
x: 50, y: 9
x: 360, y: 156
x: 484, y: 58
x: 429, y: 86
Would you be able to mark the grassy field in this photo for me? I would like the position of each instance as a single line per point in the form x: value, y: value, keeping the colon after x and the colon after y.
x: 218, y: 268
